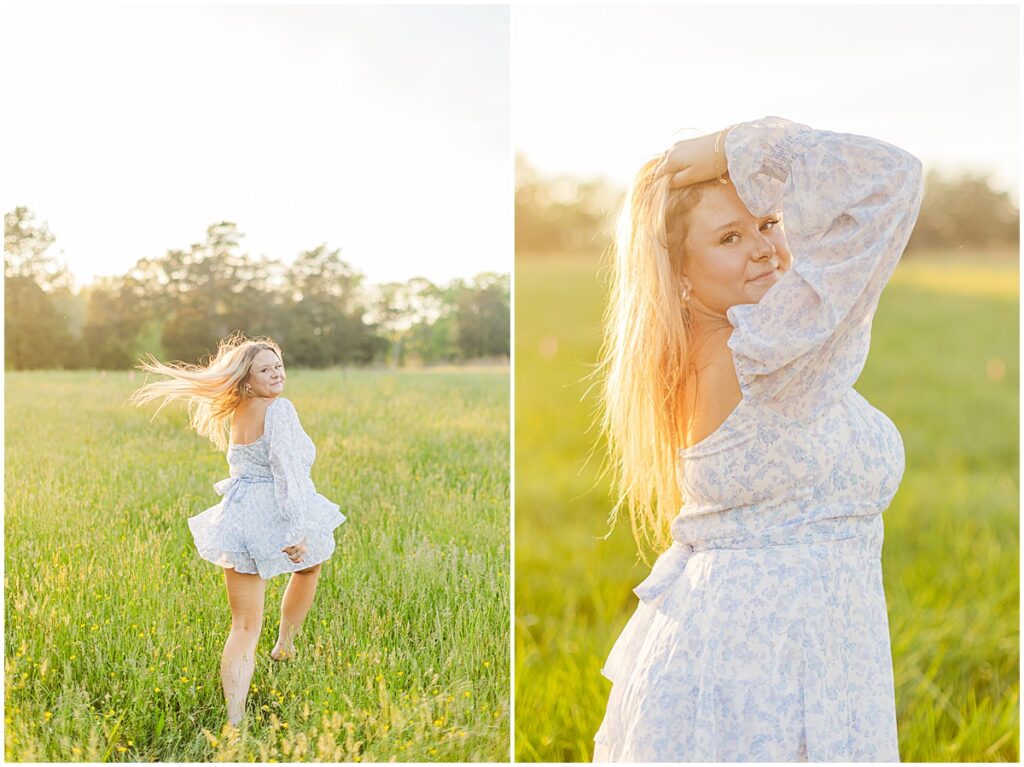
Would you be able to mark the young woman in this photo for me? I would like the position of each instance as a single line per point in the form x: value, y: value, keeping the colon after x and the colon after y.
x: 270, y: 520
x: 731, y: 352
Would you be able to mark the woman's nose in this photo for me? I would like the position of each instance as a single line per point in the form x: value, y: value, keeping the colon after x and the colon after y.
x: 763, y: 249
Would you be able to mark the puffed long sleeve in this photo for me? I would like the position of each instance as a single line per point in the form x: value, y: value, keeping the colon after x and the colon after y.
x: 292, y: 484
x: 849, y: 204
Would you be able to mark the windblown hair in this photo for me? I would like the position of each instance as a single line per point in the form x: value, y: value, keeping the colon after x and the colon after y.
x: 646, y: 357
x: 213, y: 391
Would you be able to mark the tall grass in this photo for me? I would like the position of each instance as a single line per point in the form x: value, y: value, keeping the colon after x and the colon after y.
x: 114, y: 626
x: 944, y: 366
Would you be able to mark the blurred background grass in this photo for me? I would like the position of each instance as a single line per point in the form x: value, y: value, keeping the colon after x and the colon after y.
x: 944, y: 367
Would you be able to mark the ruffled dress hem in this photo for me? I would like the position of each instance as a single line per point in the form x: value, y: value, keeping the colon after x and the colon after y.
x: 319, y: 539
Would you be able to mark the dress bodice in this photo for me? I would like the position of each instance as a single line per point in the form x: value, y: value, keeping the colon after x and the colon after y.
x: 762, y: 470
x: 253, y: 458
x: 283, y: 455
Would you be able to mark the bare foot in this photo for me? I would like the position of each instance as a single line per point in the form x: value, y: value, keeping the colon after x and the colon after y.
x: 235, y: 719
x: 280, y: 653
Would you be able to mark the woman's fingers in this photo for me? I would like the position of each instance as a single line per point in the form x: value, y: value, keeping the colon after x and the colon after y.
x: 690, y: 161
x: 677, y: 176
x: 671, y: 163
x: 679, y: 180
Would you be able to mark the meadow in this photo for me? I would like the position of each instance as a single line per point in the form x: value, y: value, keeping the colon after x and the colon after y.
x: 115, y: 626
x: 943, y: 366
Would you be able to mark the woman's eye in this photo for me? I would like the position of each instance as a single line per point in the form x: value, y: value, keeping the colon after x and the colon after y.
x: 770, y: 223
x: 729, y: 239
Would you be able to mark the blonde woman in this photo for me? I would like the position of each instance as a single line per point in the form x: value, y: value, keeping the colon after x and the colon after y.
x: 732, y: 348
x: 270, y: 520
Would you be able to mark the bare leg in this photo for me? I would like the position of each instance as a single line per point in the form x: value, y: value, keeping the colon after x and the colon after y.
x: 298, y: 598
x: 245, y: 595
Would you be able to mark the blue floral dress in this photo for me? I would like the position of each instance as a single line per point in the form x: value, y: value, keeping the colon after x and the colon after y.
x: 269, y: 503
x: 761, y: 633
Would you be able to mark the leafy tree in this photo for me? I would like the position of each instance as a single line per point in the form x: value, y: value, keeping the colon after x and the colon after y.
x: 324, y: 315
x: 429, y: 335
x: 563, y: 214
x: 36, y: 332
x: 964, y: 211
x: 179, y: 305
x: 482, y: 317
x: 203, y: 286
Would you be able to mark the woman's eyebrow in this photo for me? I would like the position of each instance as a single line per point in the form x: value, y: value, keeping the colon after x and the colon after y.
x: 738, y: 223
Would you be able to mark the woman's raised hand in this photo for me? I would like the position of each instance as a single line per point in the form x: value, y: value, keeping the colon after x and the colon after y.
x: 694, y: 160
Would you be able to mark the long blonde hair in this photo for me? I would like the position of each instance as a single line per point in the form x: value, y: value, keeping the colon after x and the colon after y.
x: 646, y: 358
x: 213, y: 391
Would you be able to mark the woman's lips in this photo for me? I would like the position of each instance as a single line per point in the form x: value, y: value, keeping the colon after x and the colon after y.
x: 765, y: 276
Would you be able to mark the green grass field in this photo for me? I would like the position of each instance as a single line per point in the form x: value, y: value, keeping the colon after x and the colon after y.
x: 944, y: 366
x: 114, y: 626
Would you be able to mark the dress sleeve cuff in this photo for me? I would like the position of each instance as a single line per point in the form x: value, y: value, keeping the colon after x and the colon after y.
x: 295, y: 536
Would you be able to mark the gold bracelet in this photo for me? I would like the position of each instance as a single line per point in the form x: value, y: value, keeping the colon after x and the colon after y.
x: 718, y: 139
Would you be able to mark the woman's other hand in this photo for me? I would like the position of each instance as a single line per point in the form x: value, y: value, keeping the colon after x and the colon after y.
x: 694, y: 160
x: 297, y: 552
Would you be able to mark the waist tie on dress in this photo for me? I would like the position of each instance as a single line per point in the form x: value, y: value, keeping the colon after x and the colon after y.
x: 859, y: 535
x: 234, y: 488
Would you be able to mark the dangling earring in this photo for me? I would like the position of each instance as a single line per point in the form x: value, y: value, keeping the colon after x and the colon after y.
x: 686, y: 296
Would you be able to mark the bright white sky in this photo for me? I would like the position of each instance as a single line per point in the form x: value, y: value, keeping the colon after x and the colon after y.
x: 380, y: 130
x: 597, y: 90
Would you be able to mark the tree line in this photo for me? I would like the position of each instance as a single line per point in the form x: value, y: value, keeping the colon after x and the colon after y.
x: 320, y: 309
x: 558, y: 214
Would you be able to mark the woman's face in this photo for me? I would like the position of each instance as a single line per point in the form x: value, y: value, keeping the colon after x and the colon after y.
x: 266, y: 376
x: 731, y: 257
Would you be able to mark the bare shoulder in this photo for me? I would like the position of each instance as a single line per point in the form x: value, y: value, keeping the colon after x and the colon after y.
x: 716, y: 389
x: 247, y: 422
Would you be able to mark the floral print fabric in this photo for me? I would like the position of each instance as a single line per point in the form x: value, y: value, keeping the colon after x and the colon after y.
x: 761, y: 633
x: 269, y: 502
